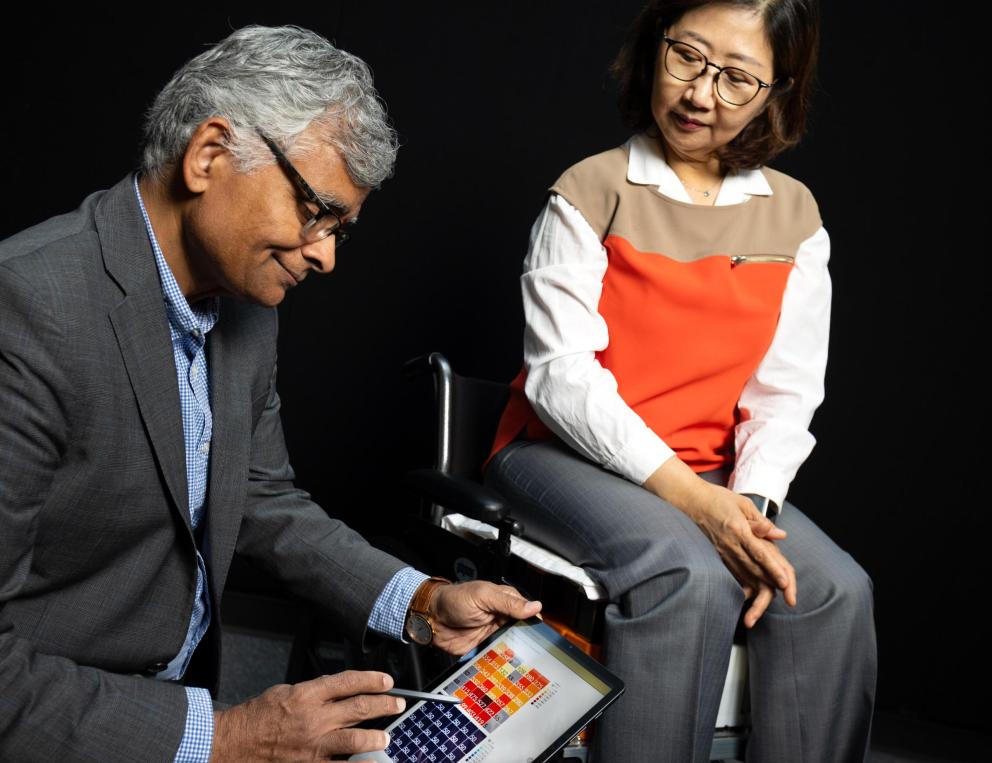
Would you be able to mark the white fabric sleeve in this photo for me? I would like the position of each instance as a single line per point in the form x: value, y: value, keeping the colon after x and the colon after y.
x: 566, y: 385
x: 772, y: 439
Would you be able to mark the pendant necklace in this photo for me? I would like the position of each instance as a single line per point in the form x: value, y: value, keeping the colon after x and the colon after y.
x: 704, y: 191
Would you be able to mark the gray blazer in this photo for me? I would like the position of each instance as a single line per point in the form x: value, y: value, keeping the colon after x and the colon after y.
x: 97, y: 558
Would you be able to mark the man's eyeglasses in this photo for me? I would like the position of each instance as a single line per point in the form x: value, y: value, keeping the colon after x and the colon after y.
x: 733, y: 85
x: 325, y: 222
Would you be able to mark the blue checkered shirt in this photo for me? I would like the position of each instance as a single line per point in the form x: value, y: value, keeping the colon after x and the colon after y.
x: 188, y: 326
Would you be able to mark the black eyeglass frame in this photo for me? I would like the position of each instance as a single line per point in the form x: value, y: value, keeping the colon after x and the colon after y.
x: 720, y: 70
x: 340, y: 231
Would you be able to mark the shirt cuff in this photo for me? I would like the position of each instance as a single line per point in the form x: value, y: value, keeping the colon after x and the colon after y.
x: 641, y: 456
x: 198, y: 739
x: 389, y: 611
x: 760, y: 480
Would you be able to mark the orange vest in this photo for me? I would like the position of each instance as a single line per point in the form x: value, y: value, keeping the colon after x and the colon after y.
x: 691, y: 296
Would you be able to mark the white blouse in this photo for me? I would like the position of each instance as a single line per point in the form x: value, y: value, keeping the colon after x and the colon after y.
x: 577, y: 398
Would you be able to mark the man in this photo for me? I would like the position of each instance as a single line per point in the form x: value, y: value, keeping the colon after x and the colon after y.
x: 140, y: 442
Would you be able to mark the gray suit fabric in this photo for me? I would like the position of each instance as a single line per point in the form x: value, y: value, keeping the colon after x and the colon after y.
x: 673, y: 610
x: 97, y: 558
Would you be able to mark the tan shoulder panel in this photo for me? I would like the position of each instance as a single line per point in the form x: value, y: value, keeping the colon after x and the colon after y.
x: 763, y: 225
x: 802, y: 208
x: 593, y: 186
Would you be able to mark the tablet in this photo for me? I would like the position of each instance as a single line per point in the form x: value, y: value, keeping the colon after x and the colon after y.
x: 525, y: 693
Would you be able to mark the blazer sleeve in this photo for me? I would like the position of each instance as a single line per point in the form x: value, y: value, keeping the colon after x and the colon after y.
x: 318, y: 557
x: 50, y: 707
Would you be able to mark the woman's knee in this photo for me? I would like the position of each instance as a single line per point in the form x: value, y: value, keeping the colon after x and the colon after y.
x: 826, y: 575
x: 842, y: 588
x: 855, y: 591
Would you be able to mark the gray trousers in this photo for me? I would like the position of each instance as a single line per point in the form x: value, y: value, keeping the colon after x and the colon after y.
x: 673, y: 610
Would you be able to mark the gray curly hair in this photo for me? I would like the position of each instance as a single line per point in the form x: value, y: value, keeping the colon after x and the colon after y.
x: 281, y: 80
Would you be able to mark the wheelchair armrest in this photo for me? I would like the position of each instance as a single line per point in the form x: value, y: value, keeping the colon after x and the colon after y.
x: 458, y: 494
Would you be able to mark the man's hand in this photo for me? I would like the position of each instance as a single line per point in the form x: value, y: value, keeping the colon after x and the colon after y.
x: 466, y: 613
x: 307, y: 721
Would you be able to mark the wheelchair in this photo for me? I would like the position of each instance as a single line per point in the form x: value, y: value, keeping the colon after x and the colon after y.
x: 472, y: 534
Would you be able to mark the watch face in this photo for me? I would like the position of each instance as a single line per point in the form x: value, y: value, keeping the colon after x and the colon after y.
x: 419, y: 628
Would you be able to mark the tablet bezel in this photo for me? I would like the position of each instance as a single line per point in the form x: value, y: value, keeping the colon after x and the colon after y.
x: 614, y: 685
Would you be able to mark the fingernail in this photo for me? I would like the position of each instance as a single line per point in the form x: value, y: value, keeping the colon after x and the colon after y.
x: 400, y: 704
x: 385, y: 739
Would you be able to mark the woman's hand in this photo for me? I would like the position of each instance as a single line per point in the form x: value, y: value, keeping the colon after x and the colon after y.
x: 741, y: 535
x: 743, y: 538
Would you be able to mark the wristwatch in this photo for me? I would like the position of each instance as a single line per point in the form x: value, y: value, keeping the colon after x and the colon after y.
x: 763, y: 504
x: 419, y: 625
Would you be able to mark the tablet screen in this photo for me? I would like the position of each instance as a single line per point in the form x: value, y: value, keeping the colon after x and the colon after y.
x: 525, y: 693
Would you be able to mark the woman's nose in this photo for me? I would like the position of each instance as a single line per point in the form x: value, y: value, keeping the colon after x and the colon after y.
x: 701, y: 91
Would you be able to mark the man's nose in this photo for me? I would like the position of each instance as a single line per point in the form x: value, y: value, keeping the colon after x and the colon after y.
x: 320, y: 254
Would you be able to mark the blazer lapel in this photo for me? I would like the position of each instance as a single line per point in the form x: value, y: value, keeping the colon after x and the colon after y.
x: 230, y: 363
x: 151, y: 367
x: 142, y: 329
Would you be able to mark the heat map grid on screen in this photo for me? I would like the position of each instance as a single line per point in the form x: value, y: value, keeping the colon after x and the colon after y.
x: 492, y: 689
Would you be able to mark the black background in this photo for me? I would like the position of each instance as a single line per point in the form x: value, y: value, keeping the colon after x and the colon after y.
x: 492, y: 103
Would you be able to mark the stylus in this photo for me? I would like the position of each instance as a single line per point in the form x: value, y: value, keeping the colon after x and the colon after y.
x: 411, y: 694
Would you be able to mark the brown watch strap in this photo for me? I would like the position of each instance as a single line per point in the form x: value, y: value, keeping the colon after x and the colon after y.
x: 421, y: 601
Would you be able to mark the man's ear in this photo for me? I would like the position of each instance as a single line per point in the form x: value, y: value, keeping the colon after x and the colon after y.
x: 206, y: 154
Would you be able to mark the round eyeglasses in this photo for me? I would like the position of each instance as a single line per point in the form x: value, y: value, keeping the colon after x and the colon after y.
x: 322, y: 223
x: 735, y: 86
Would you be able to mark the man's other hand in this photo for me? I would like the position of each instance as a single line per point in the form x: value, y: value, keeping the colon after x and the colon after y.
x: 466, y: 613
x: 307, y: 721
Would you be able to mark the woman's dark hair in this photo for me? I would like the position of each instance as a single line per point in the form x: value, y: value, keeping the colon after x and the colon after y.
x: 793, y: 28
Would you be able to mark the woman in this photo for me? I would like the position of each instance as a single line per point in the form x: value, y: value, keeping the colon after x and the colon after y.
x: 677, y: 305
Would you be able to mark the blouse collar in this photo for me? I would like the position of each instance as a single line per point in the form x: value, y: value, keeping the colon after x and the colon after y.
x: 647, y: 166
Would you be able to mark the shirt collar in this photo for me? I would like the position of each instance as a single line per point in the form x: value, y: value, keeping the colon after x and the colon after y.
x: 647, y: 166
x: 195, y: 319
